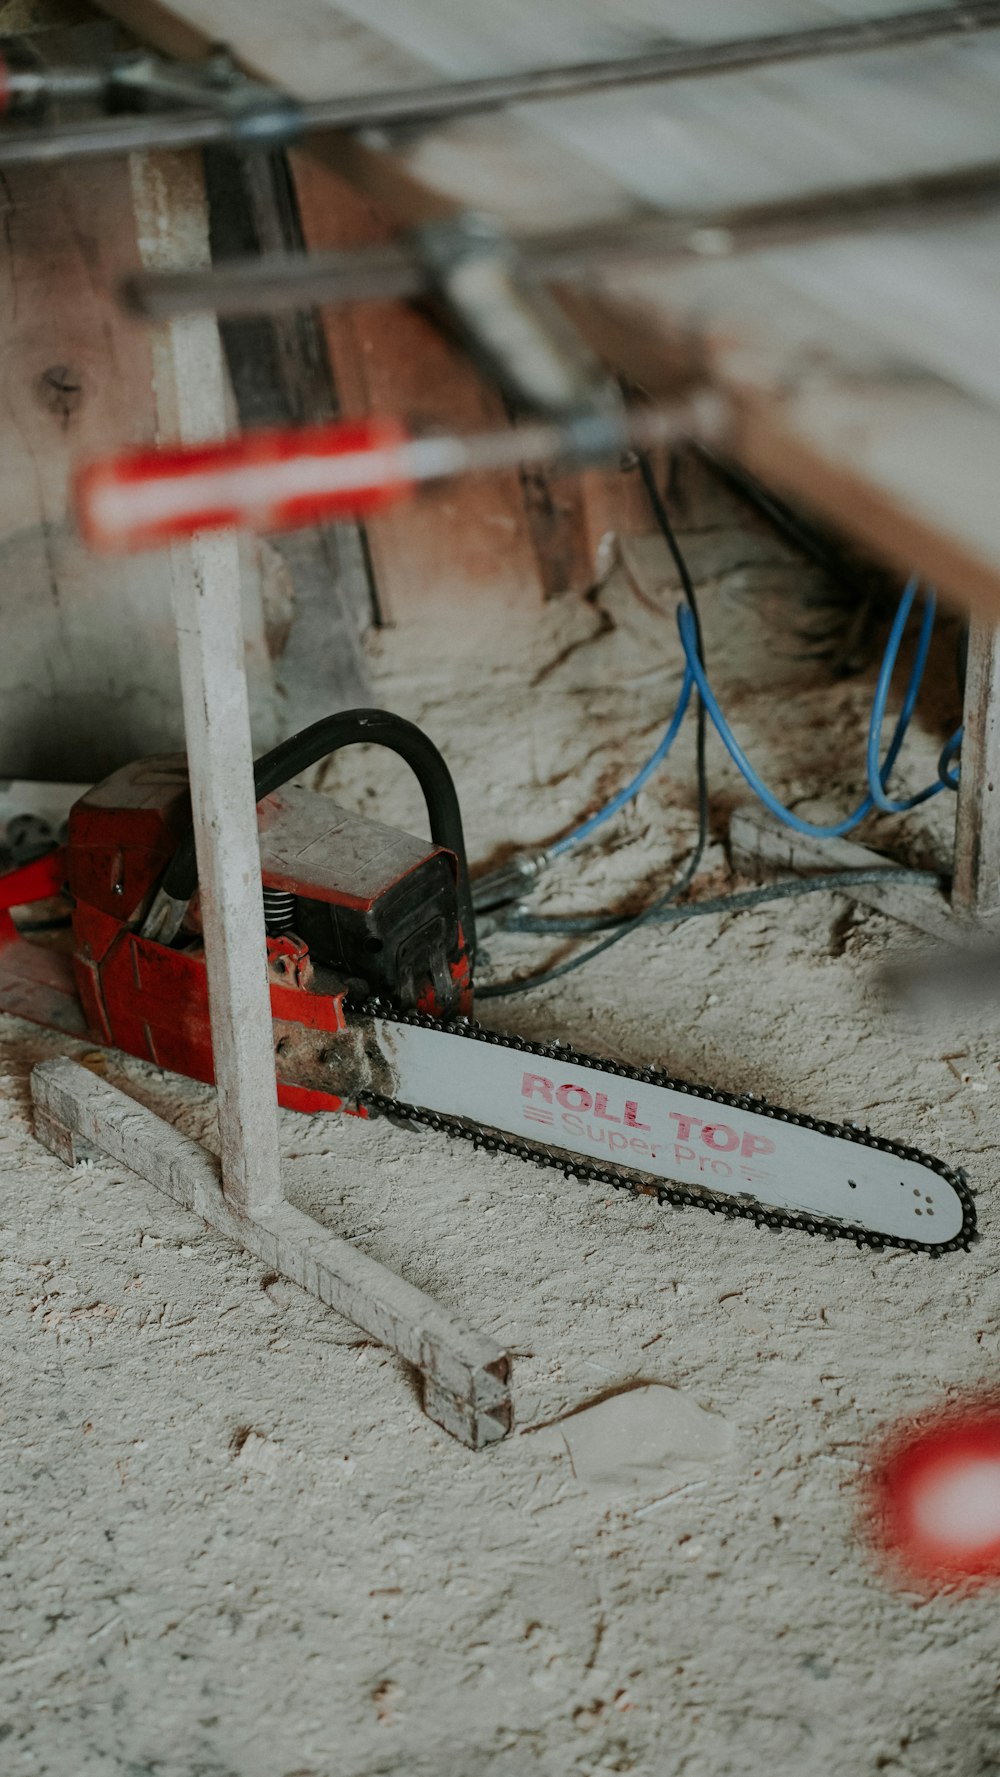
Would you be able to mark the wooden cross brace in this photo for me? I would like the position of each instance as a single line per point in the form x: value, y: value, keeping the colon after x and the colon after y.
x: 464, y: 1375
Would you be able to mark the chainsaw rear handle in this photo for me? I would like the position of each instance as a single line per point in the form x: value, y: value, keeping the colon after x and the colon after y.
x: 347, y: 728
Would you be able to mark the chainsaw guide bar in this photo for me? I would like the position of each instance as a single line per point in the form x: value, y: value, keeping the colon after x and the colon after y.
x: 785, y: 1170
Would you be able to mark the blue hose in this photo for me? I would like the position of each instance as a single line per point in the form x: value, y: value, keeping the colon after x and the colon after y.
x: 584, y: 830
x: 878, y: 774
x: 836, y: 829
x: 948, y: 751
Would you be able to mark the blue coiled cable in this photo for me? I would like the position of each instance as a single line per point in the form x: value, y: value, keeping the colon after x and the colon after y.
x: 584, y: 830
x: 948, y: 752
x: 878, y: 774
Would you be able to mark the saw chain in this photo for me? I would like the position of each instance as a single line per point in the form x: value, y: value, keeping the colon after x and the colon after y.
x: 733, y: 1206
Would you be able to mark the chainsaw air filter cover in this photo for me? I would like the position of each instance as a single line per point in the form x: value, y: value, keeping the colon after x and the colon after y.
x: 373, y: 903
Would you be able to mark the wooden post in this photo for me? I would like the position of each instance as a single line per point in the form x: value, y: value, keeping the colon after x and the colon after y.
x: 976, y: 882
x: 206, y: 599
x: 465, y: 547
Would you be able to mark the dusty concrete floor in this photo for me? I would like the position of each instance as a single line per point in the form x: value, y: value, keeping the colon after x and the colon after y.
x: 235, y: 1548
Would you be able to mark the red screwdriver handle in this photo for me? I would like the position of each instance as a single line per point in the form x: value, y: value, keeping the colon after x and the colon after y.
x: 267, y: 481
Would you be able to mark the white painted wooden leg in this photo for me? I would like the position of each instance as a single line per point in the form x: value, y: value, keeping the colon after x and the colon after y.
x: 207, y: 607
x: 976, y: 884
x: 464, y: 1375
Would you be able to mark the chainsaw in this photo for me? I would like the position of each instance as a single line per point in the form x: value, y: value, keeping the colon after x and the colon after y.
x: 370, y: 937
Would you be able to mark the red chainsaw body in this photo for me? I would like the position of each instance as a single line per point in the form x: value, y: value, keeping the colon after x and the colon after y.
x: 379, y: 903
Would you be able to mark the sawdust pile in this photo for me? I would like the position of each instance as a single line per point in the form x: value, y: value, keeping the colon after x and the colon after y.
x: 235, y: 1548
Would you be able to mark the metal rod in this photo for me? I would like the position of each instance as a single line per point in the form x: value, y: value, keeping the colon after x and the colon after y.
x: 287, y: 120
x: 268, y: 282
x: 675, y: 61
x: 394, y: 270
x: 703, y: 413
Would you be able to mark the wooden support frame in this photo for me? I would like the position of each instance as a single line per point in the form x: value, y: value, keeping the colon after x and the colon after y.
x: 465, y: 1376
x: 205, y: 589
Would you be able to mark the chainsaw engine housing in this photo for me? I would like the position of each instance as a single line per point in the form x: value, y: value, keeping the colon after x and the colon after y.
x: 349, y: 904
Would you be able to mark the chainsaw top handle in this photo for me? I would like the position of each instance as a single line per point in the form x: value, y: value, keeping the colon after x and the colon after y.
x: 329, y: 735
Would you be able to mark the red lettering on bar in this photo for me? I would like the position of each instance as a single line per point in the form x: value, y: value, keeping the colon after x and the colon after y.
x: 582, y: 1102
x: 533, y: 1083
x: 684, y: 1123
x: 632, y: 1115
x: 720, y: 1137
x: 601, y: 1108
x: 756, y: 1144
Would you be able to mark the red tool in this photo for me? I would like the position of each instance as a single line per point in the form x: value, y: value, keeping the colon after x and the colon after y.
x: 268, y: 480
x: 370, y: 953
x: 934, y: 1496
x: 350, y: 905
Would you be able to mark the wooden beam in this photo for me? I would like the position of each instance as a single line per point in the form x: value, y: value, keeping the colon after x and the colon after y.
x: 205, y: 584
x: 316, y: 582
x: 465, y: 1376
x: 462, y: 549
x: 976, y: 884
x: 761, y: 847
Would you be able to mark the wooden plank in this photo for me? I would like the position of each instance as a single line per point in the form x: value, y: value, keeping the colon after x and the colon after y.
x: 316, y: 585
x: 976, y: 885
x: 322, y: 47
x: 463, y: 547
x: 897, y: 461
x: 205, y: 586
x: 894, y: 457
x: 464, y: 1374
x: 927, y: 307
x: 761, y: 847
x: 88, y: 671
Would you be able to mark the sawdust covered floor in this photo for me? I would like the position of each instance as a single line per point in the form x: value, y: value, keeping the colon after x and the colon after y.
x: 235, y: 1548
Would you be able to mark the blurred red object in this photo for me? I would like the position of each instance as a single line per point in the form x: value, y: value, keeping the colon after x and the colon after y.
x: 934, y: 1496
x: 267, y: 480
